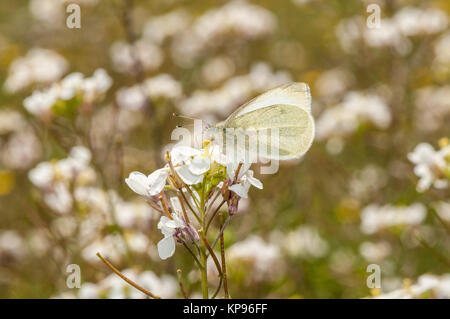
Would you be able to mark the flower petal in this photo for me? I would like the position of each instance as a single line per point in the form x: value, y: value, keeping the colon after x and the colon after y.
x: 254, y: 181
x: 166, y: 230
x: 182, y: 153
x: 187, y: 176
x: 199, y: 165
x: 166, y: 247
x: 176, y: 205
x: 138, y: 183
x: 240, y: 190
x: 157, y: 181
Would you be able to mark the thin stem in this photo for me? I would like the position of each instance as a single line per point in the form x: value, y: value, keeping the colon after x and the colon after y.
x: 189, y: 205
x: 212, y: 202
x: 166, y: 211
x: 194, y: 198
x: 204, y: 274
x: 218, y: 289
x: 129, y: 281
x: 180, y: 282
x: 213, y: 215
x: 211, y: 252
x: 193, y: 255
x: 441, y: 257
x: 183, y: 209
x: 155, y: 207
x: 444, y: 224
x: 222, y: 230
x: 203, y: 257
x: 222, y: 258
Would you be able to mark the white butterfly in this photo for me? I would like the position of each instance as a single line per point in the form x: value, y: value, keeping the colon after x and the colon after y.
x: 285, y: 109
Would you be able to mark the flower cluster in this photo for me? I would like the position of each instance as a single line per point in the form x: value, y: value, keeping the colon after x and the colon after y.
x: 37, y: 66
x: 191, y: 178
x: 162, y: 86
x: 395, y: 31
x: 113, y: 287
x: 375, y: 218
x: 236, y: 90
x: 356, y: 108
x: 432, y: 167
x: 427, y: 284
x: 65, y: 96
x: 19, y: 145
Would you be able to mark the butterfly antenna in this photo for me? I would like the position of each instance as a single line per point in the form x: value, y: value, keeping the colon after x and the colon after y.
x: 208, y: 125
x: 184, y: 117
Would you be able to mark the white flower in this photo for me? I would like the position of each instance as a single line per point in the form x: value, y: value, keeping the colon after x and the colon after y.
x: 165, y: 286
x: 38, y: 66
x: 375, y: 252
x: 132, y: 98
x: 42, y: 175
x: 67, y: 168
x: 168, y: 227
x: 233, y: 92
x: 96, y: 85
x: 262, y: 256
x: 70, y: 85
x: 90, y: 89
x: 12, y: 243
x: 429, y: 166
x: 150, y: 185
x: 181, y: 153
x: 189, y: 163
x: 163, y: 86
x: 356, y: 108
x: 305, y: 242
x: 375, y: 218
x: 437, y: 286
x: 414, y: 21
x: 59, y: 198
x: 197, y: 162
x: 123, y: 59
x: 245, y: 179
x: 40, y: 102
x: 158, y: 28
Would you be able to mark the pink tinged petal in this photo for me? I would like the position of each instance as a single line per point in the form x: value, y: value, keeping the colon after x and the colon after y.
x: 239, y: 190
x: 182, y: 153
x: 138, y: 183
x: 166, y: 247
x: 187, y: 176
x: 157, y: 181
x: 199, y: 165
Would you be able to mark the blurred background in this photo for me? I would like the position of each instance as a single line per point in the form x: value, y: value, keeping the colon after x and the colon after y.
x: 80, y: 108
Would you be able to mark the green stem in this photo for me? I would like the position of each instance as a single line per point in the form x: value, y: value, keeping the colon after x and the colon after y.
x: 204, y: 274
x: 203, y: 258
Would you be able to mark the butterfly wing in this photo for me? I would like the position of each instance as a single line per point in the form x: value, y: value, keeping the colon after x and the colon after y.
x: 294, y: 127
x: 297, y: 94
x: 286, y: 108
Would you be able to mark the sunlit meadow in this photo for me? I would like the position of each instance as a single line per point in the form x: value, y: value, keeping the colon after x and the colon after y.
x: 90, y: 177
